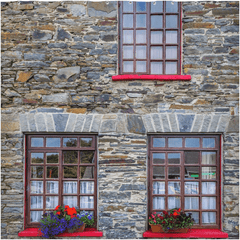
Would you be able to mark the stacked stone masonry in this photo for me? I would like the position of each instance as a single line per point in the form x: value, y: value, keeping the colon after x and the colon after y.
x: 58, y: 59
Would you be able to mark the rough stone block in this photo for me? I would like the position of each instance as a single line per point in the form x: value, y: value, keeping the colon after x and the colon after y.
x: 157, y: 122
x: 23, y: 122
x: 11, y: 93
x: 87, y: 123
x: 165, y: 123
x: 56, y: 98
x: 185, y: 122
x: 58, y: 45
x: 206, y: 123
x: 173, y: 123
x: 50, y: 123
x: 135, y: 124
x: 71, y: 122
x: 34, y: 56
x: 60, y: 121
x: 108, y: 126
x: 214, y: 123
x: 79, y: 123
x: 40, y: 122
x: 31, y: 123
x: 102, y: 9
x: 10, y: 126
x: 41, y: 36
x: 96, y: 123
x: 50, y: 110
x: 62, y: 34
x: 82, y: 99
x: 148, y: 123
x: 121, y: 123
x: 63, y: 74
x: 77, y: 10
x: 233, y: 126
x: 224, y: 120
x: 41, y: 78
x: 23, y: 76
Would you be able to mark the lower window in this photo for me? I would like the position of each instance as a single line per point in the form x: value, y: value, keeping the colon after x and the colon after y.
x: 61, y: 170
x: 184, y: 173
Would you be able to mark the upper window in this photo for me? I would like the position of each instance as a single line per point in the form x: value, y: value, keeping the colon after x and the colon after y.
x: 184, y: 173
x: 149, y: 37
x: 61, y: 170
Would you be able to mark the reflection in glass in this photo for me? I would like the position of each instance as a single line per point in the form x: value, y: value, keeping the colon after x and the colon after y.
x: 158, y: 187
x: 208, y: 202
x: 141, y: 6
x: 36, y: 187
x: 209, y: 158
x: 158, y: 172
x: 128, y: 20
x: 89, y: 212
x: 35, y: 216
x: 87, y: 187
x: 86, y: 172
x: 87, y: 157
x: 53, y: 142
x: 127, y: 6
x: 158, y: 142
x: 191, y: 157
x: 156, y: 52
x: 52, y: 187
x: 158, y: 158
x: 71, y: 201
x: 156, y: 6
x: 156, y: 68
x: 36, y: 142
x: 209, y: 217
x: 171, y: 21
x: 208, y: 172
x: 171, y: 6
x: 173, y: 187
x: 52, y: 157
x: 174, y: 202
x: 195, y: 216
x: 36, y: 202
x: 36, y: 172
x: 156, y: 22
x: 70, y: 142
x: 158, y: 202
x: 128, y: 66
x: 52, y: 172
x: 37, y: 158
x: 208, y: 142
x: 51, y: 202
x: 86, y: 201
x: 127, y: 36
x: 173, y: 172
x: 141, y: 20
x: 86, y: 142
x: 171, y: 36
x: 191, y: 172
x: 141, y: 36
x: 191, y: 203
x: 171, y: 67
x: 171, y: 52
x: 70, y: 171
x: 141, y: 52
x: 191, y: 187
x: 208, y: 187
x: 192, y: 142
x: 127, y: 52
x: 173, y: 158
x: 70, y: 157
x: 175, y: 142
x: 69, y: 187
x: 156, y: 37
x: 141, y: 66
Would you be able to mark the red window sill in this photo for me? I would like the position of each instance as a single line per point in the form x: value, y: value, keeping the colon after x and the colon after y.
x: 193, y: 233
x: 88, y: 232
x: 152, y: 77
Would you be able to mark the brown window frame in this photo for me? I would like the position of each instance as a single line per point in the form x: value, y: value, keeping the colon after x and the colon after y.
x: 182, y: 179
x: 60, y: 178
x: 148, y: 39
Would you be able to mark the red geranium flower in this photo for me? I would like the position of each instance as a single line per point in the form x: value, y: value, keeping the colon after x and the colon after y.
x: 57, y: 207
x: 58, y: 213
x: 175, y: 214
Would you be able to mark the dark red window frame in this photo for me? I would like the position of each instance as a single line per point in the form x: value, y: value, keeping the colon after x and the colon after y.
x: 182, y: 179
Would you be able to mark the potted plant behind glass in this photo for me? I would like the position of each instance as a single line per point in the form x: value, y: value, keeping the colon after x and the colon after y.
x: 173, y: 222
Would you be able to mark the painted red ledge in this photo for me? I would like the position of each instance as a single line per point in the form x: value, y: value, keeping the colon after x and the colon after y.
x: 88, y: 232
x: 192, y: 233
x: 152, y: 77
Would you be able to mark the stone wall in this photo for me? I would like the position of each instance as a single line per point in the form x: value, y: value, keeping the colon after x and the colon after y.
x: 57, y: 62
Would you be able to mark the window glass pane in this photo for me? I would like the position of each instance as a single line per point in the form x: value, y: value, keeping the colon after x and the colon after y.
x: 140, y: 20
x: 86, y: 142
x: 141, y: 66
x: 52, y: 187
x: 141, y: 36
x: 127, y: 36
x: 192, y: 142
x: 87, y: 157
x: 71, y: 201
x: 87, y: 212
x: 209, y: 217
x: 156, y: 6
x: 70, y: 142
x: 208, y: 202
x: 171, y: 36
x: 36, y: 202
x: 174, y: 202
x: 158, y: 187
x: 191, y: 172
x: 173, y: 172
x: 158, y: 158
x: 191, y: 203
x: 191, y: 157
x: 208, y: 188
x: 86, y: 202
x: 36, y: 172
x: 127, y: 66
x: 87, y: 187
x: 36, y: 142
x: 156, y: 52
x: 175, y: 142
x: 70, y: 157
x: 70, y: 187
x: 173, y: 158
x: 209, y: 157
x: 52, y: 142
x: 208, y: 142
x: 52, y: 157
x: 51, y: 202
x: 195, y: 216
x: 156, y: 22
x: 158, y: 142
x: 171, y: 52
x: 70, y: 171
x: 174, y: 188
x: 128, y: 20
x: 128, y: 52
x: 158, y: 172
x: 156, y: 37
x: 141, y: 6
x: 158, y: 202
x: 171, y: 21
x: 191, y: 187
x: 141, y: 52
x: 171, y: 6
x: 128, y: 6
x: 35, y: 216
x: 37, y: 158
x: 36, y: 187
x: 52, y: 172
x: 171, y: 67
x: 86, y: 172
x: 156, y: 68
x: 208, y: 172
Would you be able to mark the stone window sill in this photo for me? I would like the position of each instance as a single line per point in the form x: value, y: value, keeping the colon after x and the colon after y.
x: 88, y: 232
x: 193, y: 233
x: 152, y: 77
